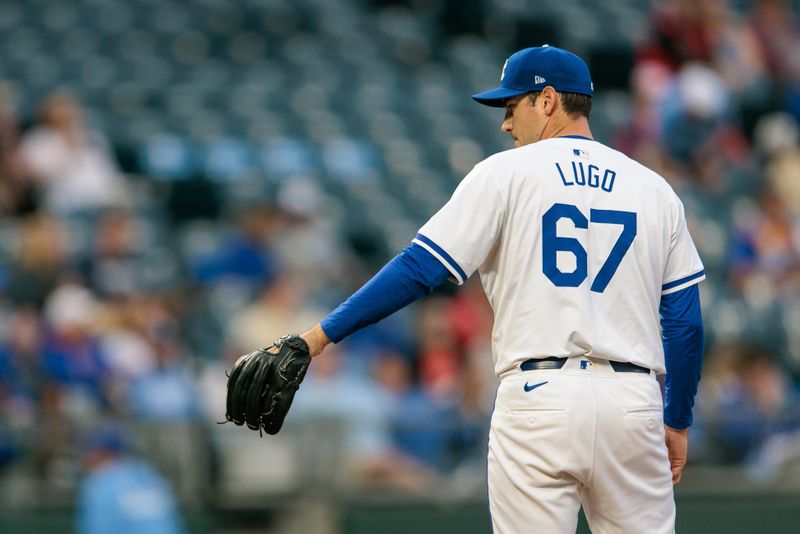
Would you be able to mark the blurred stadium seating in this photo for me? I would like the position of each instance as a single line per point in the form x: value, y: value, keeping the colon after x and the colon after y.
x: 258, y: 159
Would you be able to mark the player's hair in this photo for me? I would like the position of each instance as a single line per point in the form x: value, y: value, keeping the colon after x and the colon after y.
x: 575, y: 104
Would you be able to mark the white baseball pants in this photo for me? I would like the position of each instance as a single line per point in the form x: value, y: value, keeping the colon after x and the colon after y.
x: 580, y: 435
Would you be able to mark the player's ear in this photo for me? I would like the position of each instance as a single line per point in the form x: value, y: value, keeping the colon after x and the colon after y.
x: 549, y: 99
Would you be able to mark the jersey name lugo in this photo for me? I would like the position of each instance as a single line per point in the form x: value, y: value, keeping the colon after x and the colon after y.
x: 588, y: 175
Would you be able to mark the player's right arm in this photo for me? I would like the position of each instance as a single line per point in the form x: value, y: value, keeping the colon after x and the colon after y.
x: 412, y: 274
x: 452, y: 244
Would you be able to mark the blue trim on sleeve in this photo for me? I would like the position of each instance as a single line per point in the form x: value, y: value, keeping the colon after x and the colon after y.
x: 412, y: 274
x: 682, y: 336
x: 439, y: 250
x: 683, y: 280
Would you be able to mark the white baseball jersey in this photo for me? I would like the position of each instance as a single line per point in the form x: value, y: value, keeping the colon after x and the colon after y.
x: 575, y: 243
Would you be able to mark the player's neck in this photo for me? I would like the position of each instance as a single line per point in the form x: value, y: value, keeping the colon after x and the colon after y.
x: 570, y: 127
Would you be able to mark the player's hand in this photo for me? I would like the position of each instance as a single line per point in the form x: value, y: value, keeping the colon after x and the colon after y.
x: 316, y: 338
x: 262, y: 384
x: 678, y: 447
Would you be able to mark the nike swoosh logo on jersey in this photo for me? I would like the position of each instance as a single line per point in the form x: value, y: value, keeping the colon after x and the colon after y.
x: 531, y: 388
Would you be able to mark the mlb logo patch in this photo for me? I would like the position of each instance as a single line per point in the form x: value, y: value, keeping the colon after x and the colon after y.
x: 580, y: 153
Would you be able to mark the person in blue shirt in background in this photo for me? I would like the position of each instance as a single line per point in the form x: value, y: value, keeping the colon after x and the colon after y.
x: 121, y: 493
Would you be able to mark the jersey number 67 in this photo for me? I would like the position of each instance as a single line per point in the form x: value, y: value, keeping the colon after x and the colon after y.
x: 552, y: 244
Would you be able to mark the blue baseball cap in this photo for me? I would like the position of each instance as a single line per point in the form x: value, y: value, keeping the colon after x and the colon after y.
x: 533, y: 69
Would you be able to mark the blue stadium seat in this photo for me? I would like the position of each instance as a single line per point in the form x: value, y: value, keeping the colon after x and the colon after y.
x: 228, y: 159
x: 283, y: 157
x: 351, y: 160
x: 168, y: 157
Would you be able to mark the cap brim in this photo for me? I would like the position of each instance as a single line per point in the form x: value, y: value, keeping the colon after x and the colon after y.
x: 496, y: 97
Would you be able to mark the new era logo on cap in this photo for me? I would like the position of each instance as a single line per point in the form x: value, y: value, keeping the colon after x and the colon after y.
x: 539, y: 79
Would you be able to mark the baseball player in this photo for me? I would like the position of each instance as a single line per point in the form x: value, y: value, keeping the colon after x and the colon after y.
x: 592, y: 275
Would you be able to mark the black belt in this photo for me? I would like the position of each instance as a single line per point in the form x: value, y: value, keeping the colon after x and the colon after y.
x: 553, y: 362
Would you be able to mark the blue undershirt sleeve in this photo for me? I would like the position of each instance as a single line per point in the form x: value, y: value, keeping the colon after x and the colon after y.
x: 682, y: 336
x: 412, y: 274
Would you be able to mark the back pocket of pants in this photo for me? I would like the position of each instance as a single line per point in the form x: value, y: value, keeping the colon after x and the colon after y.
x: 536, y: 410
x: 645, y: 411
x: 643, y: 430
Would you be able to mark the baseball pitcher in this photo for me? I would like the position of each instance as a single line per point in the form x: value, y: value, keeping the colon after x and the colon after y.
x: 587, y: 262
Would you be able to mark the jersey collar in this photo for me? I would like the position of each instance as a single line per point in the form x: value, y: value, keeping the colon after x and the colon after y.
x: 575, y: 137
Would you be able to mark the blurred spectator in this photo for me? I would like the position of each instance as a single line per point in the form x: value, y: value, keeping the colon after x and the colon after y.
x: 40, y: 260
x: 121, y: 493
x: 124, y: 338
x: 775, y: 26
x: 737, y: 54
x: 20, y: 381
x: 72, y: 166
x: 700, y: 138
x: 681, y: 31
x: 439, y: 433
x: 778, y: 140
x: 121, y: 261
x: 167, y: 391
x: 766, y: 246
x: 21, y: 377
x: 440, y: 419
x: 353, y: 401
x: 641, y: 138
x: 783, y: 175
x: 707, y: 32
x: 419, y: 428
x: 307, y: 237
x: 278, y: 309
x: 696, y: 111
x: 746, y: 396
x: 246, y: 255
x: 775, y: 134
x: 77, y: 373
x: 475, y: 404
x: 471, y: 317
x: 440, y: 356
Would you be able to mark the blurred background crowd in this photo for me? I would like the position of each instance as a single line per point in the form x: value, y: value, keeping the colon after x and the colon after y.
x: 183, y: 182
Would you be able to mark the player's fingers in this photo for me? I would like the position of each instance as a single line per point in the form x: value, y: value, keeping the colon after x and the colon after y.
x: 677, y: 449
x: 676, y: 475
x: 677, y: 464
